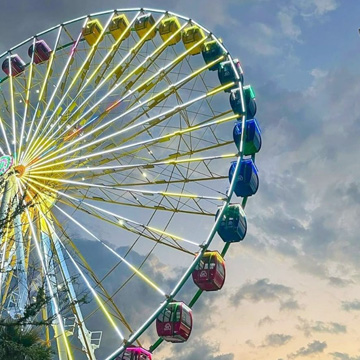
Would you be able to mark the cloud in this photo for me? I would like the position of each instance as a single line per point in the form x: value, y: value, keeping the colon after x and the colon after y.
x: 343, y: 356
x: 317, y: 7
x: 267, y: 320
x: 289, y: 305
x: 312, y: 348
x: 288, y: 27
x: 260, y: 290
x: 309, y: 327
x: 250, y: 343
x: 199, y: 350
x: 276, y: 340
x: 351, y: 305
x: 339, y: 282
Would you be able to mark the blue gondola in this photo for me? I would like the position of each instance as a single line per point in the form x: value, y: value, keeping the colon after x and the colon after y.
x: 252, y: 140
x: 212, y: 51
x: 233, y: 225
x: 249, y: 99
x: 227, y: 74
x: 247, y: 181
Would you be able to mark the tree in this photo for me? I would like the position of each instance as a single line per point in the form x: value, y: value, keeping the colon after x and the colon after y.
x: 18, y: 343
x: 20, y: 337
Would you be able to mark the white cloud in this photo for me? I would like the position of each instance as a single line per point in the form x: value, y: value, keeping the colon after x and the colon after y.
x: 317, y: 7
x: 288, y: 26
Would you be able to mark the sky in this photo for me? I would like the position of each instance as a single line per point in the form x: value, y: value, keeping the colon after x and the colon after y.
x: 292, y: 288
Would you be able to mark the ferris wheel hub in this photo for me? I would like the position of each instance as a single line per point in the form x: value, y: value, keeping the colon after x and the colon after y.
x: 19, y: 170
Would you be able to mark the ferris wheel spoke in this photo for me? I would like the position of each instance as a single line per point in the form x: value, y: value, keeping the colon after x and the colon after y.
x: 132, y: 267
x: 117, y: 168
x: 91, y: 288
x: 57, y: 86
x: 42, y: 90
x: 133, y: 52
x: 152, y: 101
x: 140, y: 144
x: 139, y: 232
x: 132, y: 191
x: 109, y: 299
x: 12, y: 104
x: 123, y: 222
x: 49, y: 283
x: 82, y: 71
x: 27, y: 98
x: 185, y: 203
x: 152, y: 121
x: 5, y: 136
x: 192, y: 210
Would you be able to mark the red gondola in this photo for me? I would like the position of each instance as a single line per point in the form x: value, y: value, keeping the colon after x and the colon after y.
x: 174, y: 324
x: 135, y: 353
x: 17, y: 65
x: 209, y: 274
x: 42, y: 51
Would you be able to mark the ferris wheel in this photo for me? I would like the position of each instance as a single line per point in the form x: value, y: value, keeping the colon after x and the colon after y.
x: 132, y: 128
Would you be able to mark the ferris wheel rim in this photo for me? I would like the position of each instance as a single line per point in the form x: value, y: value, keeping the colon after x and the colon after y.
x: 226, y: 200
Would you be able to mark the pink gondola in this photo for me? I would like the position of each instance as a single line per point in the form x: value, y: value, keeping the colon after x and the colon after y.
x: 209, y: 274
x: 135, y: 353
x: 175, y: 322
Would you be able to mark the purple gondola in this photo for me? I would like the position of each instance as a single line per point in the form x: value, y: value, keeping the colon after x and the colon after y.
x: 42, y: 51
x: 17, y: 65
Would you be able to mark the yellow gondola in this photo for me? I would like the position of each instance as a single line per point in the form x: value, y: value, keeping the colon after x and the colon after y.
x: 118, y: 26
x: 191, y: 36
x: 143, y: 24
x: 169, y: 27
x: 92, y: 31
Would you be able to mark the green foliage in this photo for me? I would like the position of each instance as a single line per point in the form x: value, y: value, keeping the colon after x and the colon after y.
x: 17, y: 343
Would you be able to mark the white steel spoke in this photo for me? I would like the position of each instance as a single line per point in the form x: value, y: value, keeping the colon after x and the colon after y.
x: 5, y: 136
x: 164, y: 115
x: 90, y: 77
x: 57, y: 86
x: 133, y: 268
x: 136, y: 48
x: 117, y: 216
x: 48, y: 281
x: 91, y: 289
x: 75, y: 78
x: 133, y: 166
x: 11, y: 90
x: 163, y: 71
x: 119, y: 188
x: 41, y: 93
x: 27, y: 96
x: 132, y: 145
